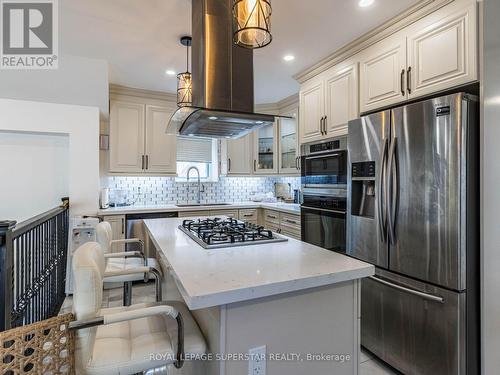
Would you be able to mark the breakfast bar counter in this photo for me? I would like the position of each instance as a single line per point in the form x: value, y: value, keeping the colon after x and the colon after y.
x: 290, y: 296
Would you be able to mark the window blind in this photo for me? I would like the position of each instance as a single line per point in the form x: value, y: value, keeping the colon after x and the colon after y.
x: 197, y: 150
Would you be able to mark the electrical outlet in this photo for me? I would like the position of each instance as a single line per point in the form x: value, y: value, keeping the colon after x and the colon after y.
x: 257, y: 361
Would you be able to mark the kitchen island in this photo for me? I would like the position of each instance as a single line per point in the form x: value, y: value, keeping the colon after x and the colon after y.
x: 300, y: 301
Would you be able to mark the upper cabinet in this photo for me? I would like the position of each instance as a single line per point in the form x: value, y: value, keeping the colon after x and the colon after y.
x: 442, y: 50
x: 288, y: 137
x: 265, y: 150
x: 160, y: 148
x: 312, y: 110
x: 435, y: 53
x: 237, y: 156
x: 328, y: 102
x: 382, y: 72
x: 138, y: 142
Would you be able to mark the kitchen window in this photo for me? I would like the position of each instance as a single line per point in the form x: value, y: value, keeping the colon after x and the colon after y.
x: 200, y: 153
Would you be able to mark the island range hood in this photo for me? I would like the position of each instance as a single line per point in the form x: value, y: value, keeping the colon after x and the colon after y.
x: 222, y: 74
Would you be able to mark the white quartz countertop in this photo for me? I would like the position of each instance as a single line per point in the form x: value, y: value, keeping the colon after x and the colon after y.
x: 216, y: 277
x: 283, y: 207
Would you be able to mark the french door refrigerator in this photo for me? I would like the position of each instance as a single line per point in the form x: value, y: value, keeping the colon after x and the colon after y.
x: 413, y: 189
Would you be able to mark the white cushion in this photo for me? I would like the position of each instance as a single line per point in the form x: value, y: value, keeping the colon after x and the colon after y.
x: 124, y: 264
x: 127, y: 347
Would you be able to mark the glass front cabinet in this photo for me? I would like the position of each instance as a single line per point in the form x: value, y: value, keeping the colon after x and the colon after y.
x: 265, y: 150
x: 289, y: 161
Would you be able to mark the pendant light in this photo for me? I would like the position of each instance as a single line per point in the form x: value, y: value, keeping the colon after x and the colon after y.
x: 184, y: 81
x: 252, y: 23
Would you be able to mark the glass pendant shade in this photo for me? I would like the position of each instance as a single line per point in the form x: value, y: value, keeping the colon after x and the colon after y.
x: 252, y: 23
x: 184, y: 89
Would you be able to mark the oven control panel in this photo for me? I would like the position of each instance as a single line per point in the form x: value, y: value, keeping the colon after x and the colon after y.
x: 363, y: 169
x: 326, y: 146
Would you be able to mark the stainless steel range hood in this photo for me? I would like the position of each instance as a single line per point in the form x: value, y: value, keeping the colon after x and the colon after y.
x: 222, y: 74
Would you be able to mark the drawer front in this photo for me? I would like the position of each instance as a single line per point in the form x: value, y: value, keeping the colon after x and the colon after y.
x: 272, y: 226
x: 272, y: 217
x: 229, y: 213
x: 290, y: 233
x: 194, y: 213
x: 249, y: 215
x: 290, y: 221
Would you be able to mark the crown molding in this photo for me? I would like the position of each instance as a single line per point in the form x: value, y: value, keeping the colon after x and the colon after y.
x: 404, y: 19
x: 115, y: 89
x: 278, y: 107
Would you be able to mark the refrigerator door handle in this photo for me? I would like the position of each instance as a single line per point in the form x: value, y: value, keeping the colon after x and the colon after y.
x: 392, y: 191
x: 426, y: 296
x: 382, y: 187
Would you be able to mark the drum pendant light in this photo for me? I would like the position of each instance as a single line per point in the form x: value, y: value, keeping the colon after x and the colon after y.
x: 252, y: 23
x: 184, y: 81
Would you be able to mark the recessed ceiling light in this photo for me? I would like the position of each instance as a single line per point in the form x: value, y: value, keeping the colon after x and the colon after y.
x: 289, y: 57
x: 213, y: 118
x: 170, y: 72
x: 365, y: 3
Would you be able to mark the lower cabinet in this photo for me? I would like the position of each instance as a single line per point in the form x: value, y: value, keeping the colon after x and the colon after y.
x: 284, y: 223
x: 249, y: 215
x: 118, y: 229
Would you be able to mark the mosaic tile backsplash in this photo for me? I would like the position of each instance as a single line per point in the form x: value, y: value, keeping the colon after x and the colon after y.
x: 165, y: 190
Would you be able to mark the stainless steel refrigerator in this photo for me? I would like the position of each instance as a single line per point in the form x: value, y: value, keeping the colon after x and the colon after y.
x: 413, y: 212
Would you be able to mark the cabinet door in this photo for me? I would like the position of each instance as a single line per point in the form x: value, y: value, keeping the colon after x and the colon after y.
x: 117, y: 223
x: 160, y: 147
x: 288, y: 143
x: 382, y: 73
x: 442, y: 50
x: 312, y: 110
x: 265, y: 150
x: 126, y: 137
x: 239, y: 155
x: 341, y: 98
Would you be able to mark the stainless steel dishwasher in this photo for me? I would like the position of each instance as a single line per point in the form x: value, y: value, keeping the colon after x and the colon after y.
x: 137, y: 229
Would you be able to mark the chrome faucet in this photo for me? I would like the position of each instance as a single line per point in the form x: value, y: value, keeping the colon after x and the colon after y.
x: 199, y: 183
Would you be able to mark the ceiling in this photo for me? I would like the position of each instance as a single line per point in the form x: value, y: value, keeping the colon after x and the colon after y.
x: 140, y: 39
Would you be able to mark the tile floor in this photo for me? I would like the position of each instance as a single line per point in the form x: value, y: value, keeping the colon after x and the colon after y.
x: 146, y: 293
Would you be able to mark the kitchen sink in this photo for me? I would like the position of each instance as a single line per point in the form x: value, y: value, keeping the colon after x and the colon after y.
x: 203, y: 205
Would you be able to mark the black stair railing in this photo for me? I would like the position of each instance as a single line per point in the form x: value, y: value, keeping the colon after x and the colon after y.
x: 33, y: 267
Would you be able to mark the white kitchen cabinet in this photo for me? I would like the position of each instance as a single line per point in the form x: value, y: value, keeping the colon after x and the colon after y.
x: 341, y: 85
x: 265, y: 150
x: 138, y: 142
x: 328, y: 102
x: 442, y: 50
x: 288, y: 143
x: 161, y: 151
x: 237, y: 156
x: 382, y: 73
x: 436, y: 53
x: 126, y: 137
x: 312, y: 110
x: 117, y: 223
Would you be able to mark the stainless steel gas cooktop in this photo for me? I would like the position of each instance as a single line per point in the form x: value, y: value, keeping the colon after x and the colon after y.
x: 216, y: 233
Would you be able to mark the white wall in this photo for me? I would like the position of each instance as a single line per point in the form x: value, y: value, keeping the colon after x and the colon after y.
x: 36, y: 173
x: 81, y: 125
x: 78, y: 80
x: 490, y: 200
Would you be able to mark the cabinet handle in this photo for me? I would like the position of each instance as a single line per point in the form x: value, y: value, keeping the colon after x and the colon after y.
x: 291, y: 221
x: 147, y: 161
x: 403, y: 82
x: 248, y: 215
x: 229, y: 164
x: 321, y: 125
x: 142, y: 165
x: 123, y: 226
x: 325, y: 125
x: 255, y: 165
x: 408, y: 80
x: 271, y: 217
